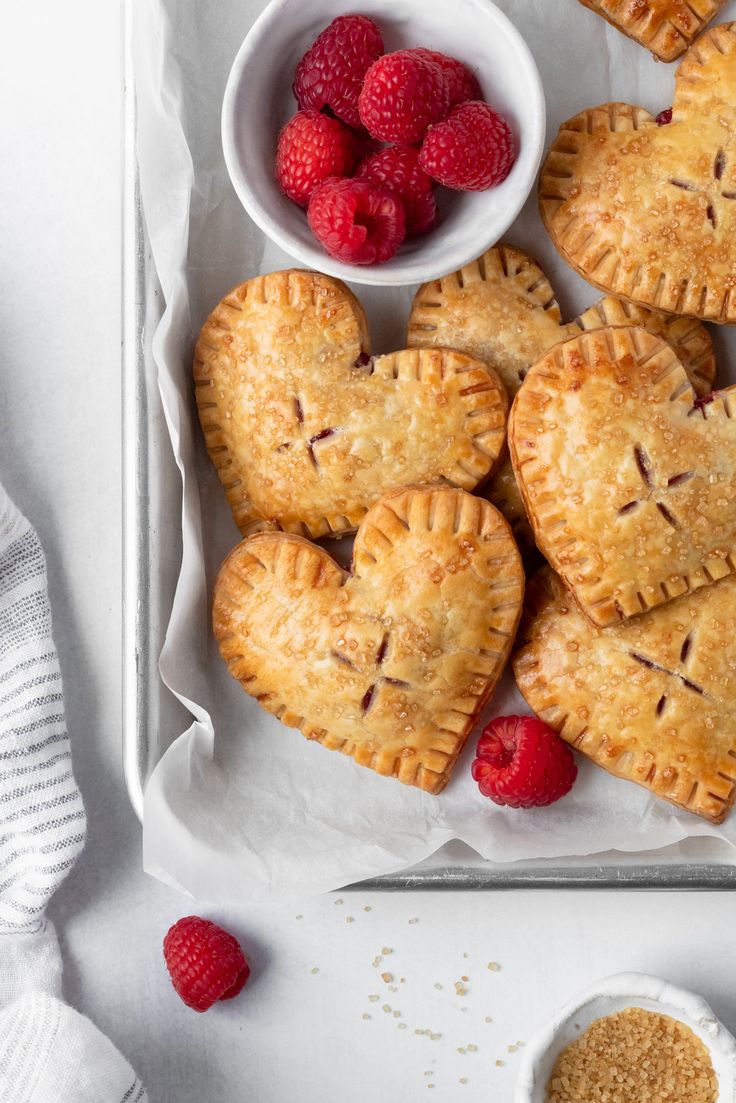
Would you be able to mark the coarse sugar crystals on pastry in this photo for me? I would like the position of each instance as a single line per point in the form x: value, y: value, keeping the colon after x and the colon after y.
x: 648, y: 212
x: 502, y: 310
x: 634, y: 1056
x: 628, y: 478
x: 391, y: 663
x: 666, y: 27
x: 650, y: 701
x: 307, y: 431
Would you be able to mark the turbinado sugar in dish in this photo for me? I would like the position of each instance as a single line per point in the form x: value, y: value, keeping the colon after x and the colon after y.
x: 634, y: 1056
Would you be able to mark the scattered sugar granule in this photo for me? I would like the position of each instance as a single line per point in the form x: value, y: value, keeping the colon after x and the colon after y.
x: 367, y: 908
x: 462, y: 1049
x: 520, y: 1044
x: 402, y: 980
x: 513, y: 1049
x: 386, y: 950
x: 430, y: 1085
x: 488, y: 1019
x: 386, y: 1008
x: 460, y: 989
x: 349, y: 919
x: 463, y: 1009
x: 465, y: 979
x: 414, y: 920
x: 494, y: 966
x: 500, y: 1064
x: 420, y: 1031
x: 386, y: 978
x: 314, y: 969
x: 397, y: 1014
x: 429, y: 1072
x: 376, y: 962
x: 374, y: 999
x: 463, y: 1079
x: 402, y: 1026
x: 366, y: 1015
x: 299, y: 917
x: 435, y: 1037
x: 337, y: 902
x: 392, y: 988
x: 472, y: 1049
x: 465, y: 955
x: 437, y: 985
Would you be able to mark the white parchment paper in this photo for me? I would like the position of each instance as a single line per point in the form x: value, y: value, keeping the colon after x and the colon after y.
x: 239, y: 805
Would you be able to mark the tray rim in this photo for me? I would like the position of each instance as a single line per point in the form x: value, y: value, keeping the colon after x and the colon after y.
x: 590, y: 874
x: 134, y: 467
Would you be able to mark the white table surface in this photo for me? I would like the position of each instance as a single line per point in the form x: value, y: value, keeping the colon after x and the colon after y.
x: 294, y: 1033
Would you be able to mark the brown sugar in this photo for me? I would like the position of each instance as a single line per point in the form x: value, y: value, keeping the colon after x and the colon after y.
x: 634, y: 1056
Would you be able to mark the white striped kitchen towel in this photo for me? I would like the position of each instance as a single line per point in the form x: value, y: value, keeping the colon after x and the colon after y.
x: 48, y: 1052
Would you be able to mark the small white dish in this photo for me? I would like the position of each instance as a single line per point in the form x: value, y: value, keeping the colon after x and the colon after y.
x: 615, y: 994
x: 258, y: 101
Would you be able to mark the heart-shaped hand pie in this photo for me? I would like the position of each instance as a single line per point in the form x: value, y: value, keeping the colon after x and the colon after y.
x: 666, y: 27
x: 651, y: 701
x: 502, y: 310
x: 306, y: 431
x: 629, y: 480
x: 649, y: 212
x: 390, y: 663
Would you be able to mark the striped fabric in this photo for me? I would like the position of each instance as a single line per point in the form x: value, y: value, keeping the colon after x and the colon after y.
x: 42, y: 821
x: 52, y: 1054
x: 48, y: 1052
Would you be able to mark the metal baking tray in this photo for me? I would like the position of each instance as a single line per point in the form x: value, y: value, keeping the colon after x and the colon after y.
x: 152, y: 717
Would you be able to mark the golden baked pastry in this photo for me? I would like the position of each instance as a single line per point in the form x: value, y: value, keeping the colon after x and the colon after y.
x: 648, y: 212
x: 307, y: 431
x: 390, y: 663
x: 666, y: 27
x: 502, y: 310
x: 502, y: 490
x: 651, y: 701
x: 629, y: 480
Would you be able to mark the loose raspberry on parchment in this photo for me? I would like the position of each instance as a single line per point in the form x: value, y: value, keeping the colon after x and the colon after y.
x: 206, y: 964
x: 522, y: 763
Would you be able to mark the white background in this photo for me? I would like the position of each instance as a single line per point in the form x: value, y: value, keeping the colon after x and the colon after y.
x: 294, y: 1034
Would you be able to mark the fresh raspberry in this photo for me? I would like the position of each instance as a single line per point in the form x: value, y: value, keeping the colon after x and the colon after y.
x: 462, y: 84
x: 396, y: 169
x: 357, y: 222
x: 402, y: 95
x: 311, y: 147
x: 205, y: 963
x: 331, y: 72
x: 472, y: 150
x: 523, y: 763
x: 664, y: 117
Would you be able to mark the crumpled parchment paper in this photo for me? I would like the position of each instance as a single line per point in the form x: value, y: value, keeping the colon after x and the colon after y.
x: 239, y: 805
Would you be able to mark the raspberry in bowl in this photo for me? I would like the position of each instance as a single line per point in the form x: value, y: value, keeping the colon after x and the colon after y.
x: 345, y: 62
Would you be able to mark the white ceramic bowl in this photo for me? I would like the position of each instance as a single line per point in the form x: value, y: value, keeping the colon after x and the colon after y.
x: 258, y: 101
x: 614, y: 994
